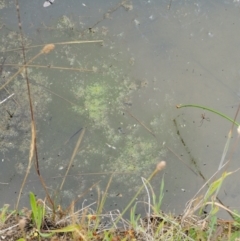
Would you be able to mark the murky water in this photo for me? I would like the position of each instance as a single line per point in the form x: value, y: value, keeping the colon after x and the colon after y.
x: 123, y: 90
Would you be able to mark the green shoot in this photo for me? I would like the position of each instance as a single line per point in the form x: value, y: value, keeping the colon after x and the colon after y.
x: 134, y: 220
x: 38, y: 212
x: 3, y: 212
x: 213, y: 188
x: 157, y: 203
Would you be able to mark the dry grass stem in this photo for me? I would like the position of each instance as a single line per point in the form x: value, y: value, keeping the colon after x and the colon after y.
x: 141, y: 123
x: 53, y: 67
x: 60, y: 43
x: 19, y: 71
x: 73, y: 156
x: 31, y: 153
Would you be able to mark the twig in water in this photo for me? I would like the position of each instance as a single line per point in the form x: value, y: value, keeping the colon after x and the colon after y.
x: 141, y: 123
x: 182, y: 160
x: 50, y: 91
x: 52, y: 67
x: 73, y: 156
x: 2, y: 64
x: 60, y: 43
x: 6, y: 98
x: 33, y: 144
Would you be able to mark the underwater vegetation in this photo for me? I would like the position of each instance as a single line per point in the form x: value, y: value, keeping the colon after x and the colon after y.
x: 100, y: 89
x: 15, y: 112
x: 95, y: 103
x: 114, y: 142
x: 101, y: 93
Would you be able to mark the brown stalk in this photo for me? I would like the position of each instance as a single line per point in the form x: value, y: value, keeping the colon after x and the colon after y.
x: 80, y: 196
x: 102, y: 201
x: 1, y: 70
x: 52, y: 67
x: 33, y: 145
x: 182, y: 160
x: 141, y: 123
x: 60, y: 43
x: 31, y: 153
x: 73, y: 156
x: 53, y: 93
x: 21, y: 69
x: 230, y: 135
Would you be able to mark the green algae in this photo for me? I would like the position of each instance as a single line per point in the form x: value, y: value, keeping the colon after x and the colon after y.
x: 114, y: 142
x: 102, y: 97
x: 15, y: 112
x: 95, y: 102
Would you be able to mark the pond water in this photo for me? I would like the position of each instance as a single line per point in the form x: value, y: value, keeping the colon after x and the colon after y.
x: 119, y: 88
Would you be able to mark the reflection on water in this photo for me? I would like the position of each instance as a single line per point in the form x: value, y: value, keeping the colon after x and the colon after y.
x: 139, y: 60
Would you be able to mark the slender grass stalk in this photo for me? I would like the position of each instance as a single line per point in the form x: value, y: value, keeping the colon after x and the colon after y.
x: 31, y: 152
x: 52, y: 67
x: 161, y: 165
x: 103, y: 199
x: 144, y: 181
x: 45, y: 50
x: 228, y: 141
x: 141, y: 123
x: 133, y: 219
x: 211, y: 110
x: 58, y: 43
x: 214, y: 188
x: 73, y: 156
x: 225, y: 150
x: 157, y: 202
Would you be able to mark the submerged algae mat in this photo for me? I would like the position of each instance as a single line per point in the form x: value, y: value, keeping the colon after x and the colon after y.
x: 114, y: 141
x: 95, y: 76
x: 14, y: 109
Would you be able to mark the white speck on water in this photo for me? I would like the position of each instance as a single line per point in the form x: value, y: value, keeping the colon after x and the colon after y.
x: 210, y: 34
x: 136, y: 22
x: 151, y: 17
x: 120, y: 34
x: 113, y: 147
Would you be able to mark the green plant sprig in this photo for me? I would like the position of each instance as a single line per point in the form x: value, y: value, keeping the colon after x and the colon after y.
x: 38, y: 212
x: 211, y: 110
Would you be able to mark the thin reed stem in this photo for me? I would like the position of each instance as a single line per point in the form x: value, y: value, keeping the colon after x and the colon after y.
x: 73, y: 156
x: 52, y: 67
x: 59, y: 43
x: 159, y: 167
x: 19, y: 71
x: 33, y: 144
